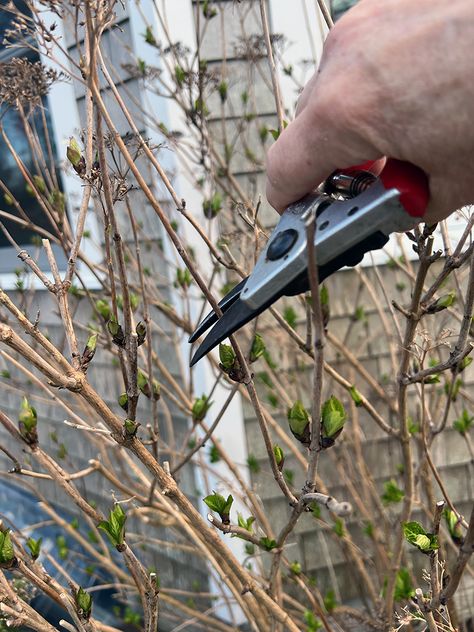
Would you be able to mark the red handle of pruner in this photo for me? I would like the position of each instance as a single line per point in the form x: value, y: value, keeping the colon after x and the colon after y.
x: 410, y: 180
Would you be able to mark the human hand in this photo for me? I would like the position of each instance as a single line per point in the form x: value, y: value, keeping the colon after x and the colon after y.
x: 395, y: 79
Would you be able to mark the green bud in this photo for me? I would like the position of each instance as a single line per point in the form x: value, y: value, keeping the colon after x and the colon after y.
x: 73, y: 152
x: 83, y: 603
x: 27, y: 422
x: 103, y: 308
x: 279, y: 456
x: 8, y: 199
x: 441, y: 303
x: 226, y: 356
x: 149, y: 37
x: 130, y: 427
x: 223, y: 91
x: 123, y: 401
x: 298, y: 419
x: 7, y: 553
x: 356, y: 396
x: 200, y: 407
x: 92, y: 342
x: 258, y: 348
x: 141, y: 332
x: 39, y: 184
x: 333, y: 417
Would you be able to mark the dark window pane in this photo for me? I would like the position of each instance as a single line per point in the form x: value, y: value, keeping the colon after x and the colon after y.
x: 14, y: 129
x: 338, y: 7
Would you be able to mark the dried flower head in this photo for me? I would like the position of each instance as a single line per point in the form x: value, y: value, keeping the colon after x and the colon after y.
x: 25, y: 82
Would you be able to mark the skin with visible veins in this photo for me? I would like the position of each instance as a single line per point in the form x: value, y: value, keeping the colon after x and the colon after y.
x: 396, y: 79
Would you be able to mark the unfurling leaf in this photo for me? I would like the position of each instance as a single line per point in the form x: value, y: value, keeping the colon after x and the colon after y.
x: 268, y: 543
x: 415, y: 534
x: 392, y: 493
x: 403, y: 586
x: 298, y: 419
x: 83, y: 603
x: 34, y: 546
x: 463, y: 423
x: 245, y: 523
x: 258, y: 348
x: 220, y: 505
x: 115, y: 526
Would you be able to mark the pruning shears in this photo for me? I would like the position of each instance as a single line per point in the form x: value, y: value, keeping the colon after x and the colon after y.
x: 355, y: 212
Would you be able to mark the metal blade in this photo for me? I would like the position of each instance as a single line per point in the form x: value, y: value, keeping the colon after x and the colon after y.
x: 236, y: 316
x: 238, y: 313
x: 211, y: 318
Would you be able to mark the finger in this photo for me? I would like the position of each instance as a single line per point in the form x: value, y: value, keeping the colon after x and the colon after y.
x: 308, y: 151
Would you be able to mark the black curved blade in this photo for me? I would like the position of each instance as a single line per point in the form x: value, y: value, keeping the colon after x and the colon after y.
x: 207, y: 322
x: 236, y: 316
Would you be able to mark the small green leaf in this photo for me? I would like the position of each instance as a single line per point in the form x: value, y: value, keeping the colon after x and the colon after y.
x: 290, y: 316
x: 339, y: 528
x: 245, y: 523
x: 216, y: 502
x: 313, y: 623
x: 149, y: 37
x: 441, y: 303
x: 330, y: 601
x: 415, y: 534
x: 295, y: 568
x: 253, y: 464
x: 115, y: 525
x: 214, y: 456
x: 463, y: 423
x: 222, y: 88
x: 267, y: 543
x: 392, y: 493
x: 403, y: 586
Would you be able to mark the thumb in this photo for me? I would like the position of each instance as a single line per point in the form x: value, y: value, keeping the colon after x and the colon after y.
x: 308, y: 151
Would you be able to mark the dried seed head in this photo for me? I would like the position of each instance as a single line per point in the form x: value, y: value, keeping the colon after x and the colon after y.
x: 25, y: 82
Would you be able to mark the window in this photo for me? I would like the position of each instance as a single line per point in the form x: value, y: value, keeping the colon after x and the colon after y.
x: 16, y: 198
